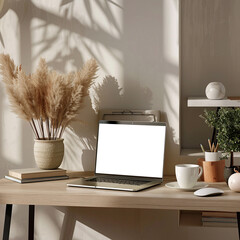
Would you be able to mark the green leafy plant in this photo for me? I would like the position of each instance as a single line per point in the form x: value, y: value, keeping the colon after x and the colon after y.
x: 227, y: 123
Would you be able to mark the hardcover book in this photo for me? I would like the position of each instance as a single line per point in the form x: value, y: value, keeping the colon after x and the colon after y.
x: 219, y: 224
x: 220, y: 214
x: 29, y: 173
x: 42, y: 179
x: 219, y: 219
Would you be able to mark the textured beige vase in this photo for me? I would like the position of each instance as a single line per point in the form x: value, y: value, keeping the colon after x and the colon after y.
x: 48, y: 153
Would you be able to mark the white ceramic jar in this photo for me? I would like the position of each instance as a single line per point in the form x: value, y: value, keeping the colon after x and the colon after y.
x: 215, y: 90
x: 212, y: 156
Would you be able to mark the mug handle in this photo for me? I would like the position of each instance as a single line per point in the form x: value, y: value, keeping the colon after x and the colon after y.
x: 200, y: 174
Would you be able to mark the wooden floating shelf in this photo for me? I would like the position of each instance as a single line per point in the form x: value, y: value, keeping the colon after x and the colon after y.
x: 194, y: 152
x: 204, y: 102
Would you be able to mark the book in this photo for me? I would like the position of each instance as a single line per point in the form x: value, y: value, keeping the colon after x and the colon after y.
x: 220, y: 214
x: 35, y: 173
x: 219, y: 224
x: 219, y: 219
x: 31, y: 180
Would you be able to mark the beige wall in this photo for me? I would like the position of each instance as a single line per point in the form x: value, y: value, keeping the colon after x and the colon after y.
x: 136, y: 44
x: 210, y: 52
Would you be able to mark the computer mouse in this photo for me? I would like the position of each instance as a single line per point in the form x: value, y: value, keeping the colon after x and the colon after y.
x: 206, y: 192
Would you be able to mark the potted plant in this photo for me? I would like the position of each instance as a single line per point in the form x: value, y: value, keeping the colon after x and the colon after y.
x: 226, y: 121
x: 49, y: 101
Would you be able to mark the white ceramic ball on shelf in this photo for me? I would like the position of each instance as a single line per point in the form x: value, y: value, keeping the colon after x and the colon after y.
x: 215, y: 90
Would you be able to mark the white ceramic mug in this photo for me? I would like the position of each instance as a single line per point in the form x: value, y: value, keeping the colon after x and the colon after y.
x: 212, y: 156
x: 187, y: 174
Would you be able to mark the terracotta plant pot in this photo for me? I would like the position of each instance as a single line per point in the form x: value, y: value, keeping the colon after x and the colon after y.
x: 48, y: 153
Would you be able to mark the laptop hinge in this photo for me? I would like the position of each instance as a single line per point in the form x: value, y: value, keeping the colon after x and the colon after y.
x: 128, y: 177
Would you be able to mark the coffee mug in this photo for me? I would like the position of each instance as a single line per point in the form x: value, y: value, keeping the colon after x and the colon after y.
x: 187, y: 174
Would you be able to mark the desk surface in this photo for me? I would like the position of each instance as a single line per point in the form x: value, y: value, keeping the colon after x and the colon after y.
x: 56, y: 193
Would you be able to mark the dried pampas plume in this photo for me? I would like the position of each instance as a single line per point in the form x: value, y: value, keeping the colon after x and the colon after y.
x: 48, y: 100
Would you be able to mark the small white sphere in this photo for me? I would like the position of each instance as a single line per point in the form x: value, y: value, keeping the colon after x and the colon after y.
x: 234, y: 182
x: 215, y: 90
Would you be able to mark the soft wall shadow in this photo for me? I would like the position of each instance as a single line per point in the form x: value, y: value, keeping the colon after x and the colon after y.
x: 140, y: 44
x: 35, y: 19
x: 80, y: 138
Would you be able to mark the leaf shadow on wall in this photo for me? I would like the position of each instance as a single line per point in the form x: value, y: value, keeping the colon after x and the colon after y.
x: 71, y: 28
x: 80, y: 144
x: 68, y: 27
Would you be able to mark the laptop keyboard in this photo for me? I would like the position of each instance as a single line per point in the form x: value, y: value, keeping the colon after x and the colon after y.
x: 119, y: 181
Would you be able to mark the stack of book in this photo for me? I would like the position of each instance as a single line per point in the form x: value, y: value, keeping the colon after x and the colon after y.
x: 219, y: 219
x: 29, y: 175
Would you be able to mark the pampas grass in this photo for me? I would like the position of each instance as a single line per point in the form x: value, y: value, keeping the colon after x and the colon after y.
x: 48, y: 100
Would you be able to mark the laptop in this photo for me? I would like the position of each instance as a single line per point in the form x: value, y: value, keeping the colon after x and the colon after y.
x: 129, y: 156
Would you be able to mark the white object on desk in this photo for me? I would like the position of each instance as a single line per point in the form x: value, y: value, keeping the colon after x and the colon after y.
x: 234, y: 182
x: 187, y: 174
x: 198, y: 185
x: 207, y: 192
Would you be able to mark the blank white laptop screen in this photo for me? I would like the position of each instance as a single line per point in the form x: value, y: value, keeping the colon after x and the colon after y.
x: 132, y: 150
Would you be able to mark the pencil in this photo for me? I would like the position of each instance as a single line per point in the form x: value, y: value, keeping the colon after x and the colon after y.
x: 216, y: 148
x: 210, y: 145
x: 213, y: 148
x: 202, y: 147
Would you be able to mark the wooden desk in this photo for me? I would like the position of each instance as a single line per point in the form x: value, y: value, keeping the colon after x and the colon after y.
x: 56, y: 193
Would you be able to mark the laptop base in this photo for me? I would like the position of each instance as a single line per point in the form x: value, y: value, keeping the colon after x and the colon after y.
x: 85, y: 183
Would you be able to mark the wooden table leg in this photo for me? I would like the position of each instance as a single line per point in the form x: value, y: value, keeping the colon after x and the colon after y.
x: 7, y: 222
x: 31, y: 222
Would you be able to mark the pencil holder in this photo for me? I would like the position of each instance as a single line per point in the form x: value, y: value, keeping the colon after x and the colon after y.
x: 212, y: 171
x: 212, y: 156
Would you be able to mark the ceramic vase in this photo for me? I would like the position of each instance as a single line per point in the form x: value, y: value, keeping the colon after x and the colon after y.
x: 48, y: 153
x: 215, y: 90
